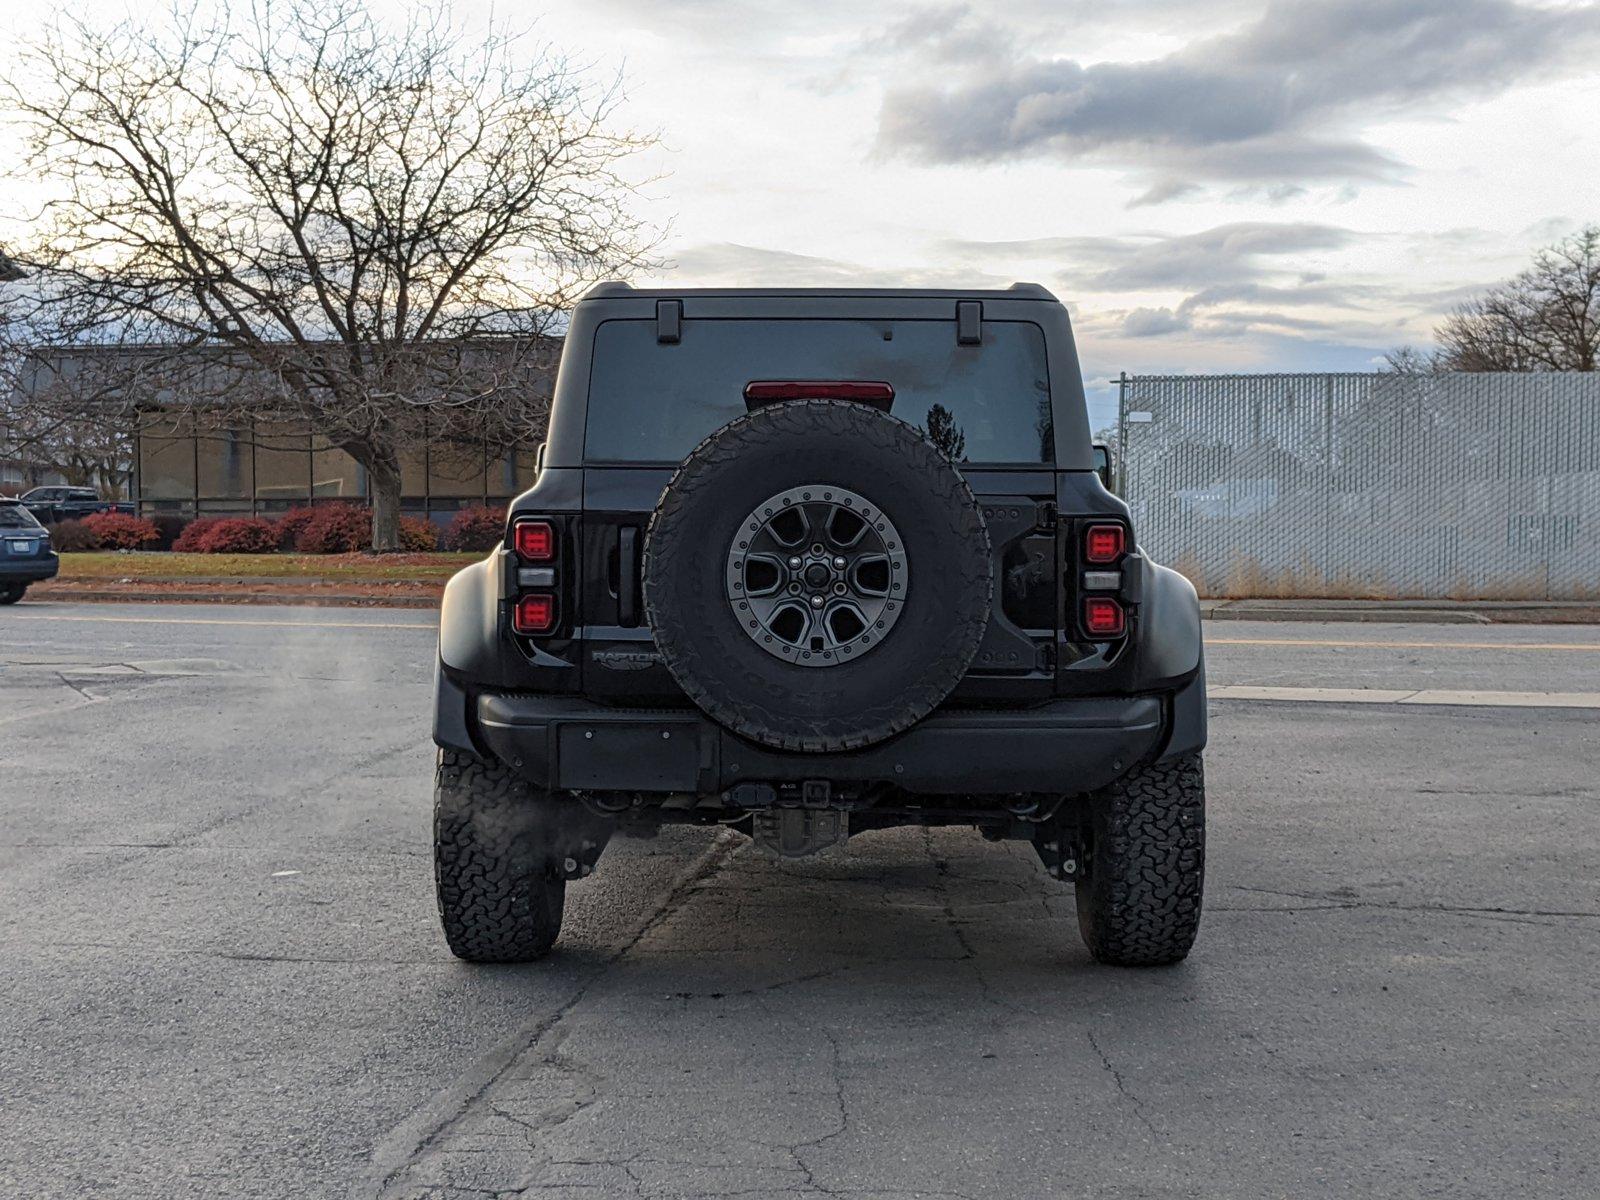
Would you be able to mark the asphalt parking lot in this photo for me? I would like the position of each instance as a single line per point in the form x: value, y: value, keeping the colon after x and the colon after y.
x: 223, y: 975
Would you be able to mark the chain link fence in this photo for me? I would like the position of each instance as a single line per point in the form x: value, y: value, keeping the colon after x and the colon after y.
x: 1447, y: 486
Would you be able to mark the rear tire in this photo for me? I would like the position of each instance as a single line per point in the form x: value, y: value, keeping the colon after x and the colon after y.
x: 10, y: 593
x: 1144, y: 865
x: 499, y: 900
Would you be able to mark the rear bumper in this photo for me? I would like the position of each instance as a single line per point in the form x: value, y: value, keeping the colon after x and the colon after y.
x: 28, y: 570
x: 1068, y: 745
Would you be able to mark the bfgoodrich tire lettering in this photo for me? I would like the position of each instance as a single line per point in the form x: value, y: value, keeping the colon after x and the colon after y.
x: 1139, y: 893
x: 699, y: 520
x: 498, y: 900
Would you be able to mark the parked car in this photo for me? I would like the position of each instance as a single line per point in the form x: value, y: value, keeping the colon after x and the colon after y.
x: 25, y: 553
x: 53, y: 504
x: 806, y: 564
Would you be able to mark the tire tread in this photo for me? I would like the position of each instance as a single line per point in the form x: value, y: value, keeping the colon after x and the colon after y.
x: 1139, y: 904
x: 497, y: 899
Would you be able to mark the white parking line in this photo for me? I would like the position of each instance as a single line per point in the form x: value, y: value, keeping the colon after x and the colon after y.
x: 1374, y: 644
x: 1439, y: 696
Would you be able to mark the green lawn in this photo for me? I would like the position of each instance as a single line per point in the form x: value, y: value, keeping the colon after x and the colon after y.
x: 105, y: 564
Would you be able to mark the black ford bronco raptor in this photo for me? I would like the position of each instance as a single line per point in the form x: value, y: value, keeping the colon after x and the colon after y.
x: 811, y: 563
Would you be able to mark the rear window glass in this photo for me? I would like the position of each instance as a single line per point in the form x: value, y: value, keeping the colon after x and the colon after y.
x: 650, y: 402
x: 14, y: 516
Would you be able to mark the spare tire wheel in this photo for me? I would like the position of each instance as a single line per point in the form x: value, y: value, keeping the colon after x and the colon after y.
x: 817, y: 576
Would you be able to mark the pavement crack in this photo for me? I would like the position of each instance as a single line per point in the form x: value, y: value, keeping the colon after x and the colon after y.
x: 836, y: 1075
x: 946, y: 906
x: 1122, y: 1085
x: 809, y: 1184
x: 969, y: 952
x: 79, y: 688
x: 1328, y: 901
x: 434, y: 1123
x: 776, y: 985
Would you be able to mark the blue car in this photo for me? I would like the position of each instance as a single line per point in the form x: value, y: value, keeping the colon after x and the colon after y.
x: 25, y: 553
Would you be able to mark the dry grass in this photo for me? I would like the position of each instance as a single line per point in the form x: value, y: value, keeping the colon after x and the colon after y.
x: 1248, y: 580
x: 101, y: 565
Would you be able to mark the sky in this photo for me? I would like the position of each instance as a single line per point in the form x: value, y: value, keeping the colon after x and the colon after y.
x: 1209, y: 185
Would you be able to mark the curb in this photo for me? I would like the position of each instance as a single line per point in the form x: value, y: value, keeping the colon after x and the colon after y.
x: 1401, y: 615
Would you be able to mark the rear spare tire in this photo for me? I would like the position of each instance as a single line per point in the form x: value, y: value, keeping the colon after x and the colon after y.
x: 817, y: 576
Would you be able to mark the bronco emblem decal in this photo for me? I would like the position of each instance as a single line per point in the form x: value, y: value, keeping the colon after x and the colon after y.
x: 626, y: 660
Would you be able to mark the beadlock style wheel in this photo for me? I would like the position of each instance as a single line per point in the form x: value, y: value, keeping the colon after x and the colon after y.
x: 817, y: 533
x: 817, y: 575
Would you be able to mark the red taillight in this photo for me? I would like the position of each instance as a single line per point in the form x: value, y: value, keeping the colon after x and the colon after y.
x: 1104, y: 617
x: 767, y: 391
x: 1104, y: 543
x: 535, y: 613
x: 535, y: 541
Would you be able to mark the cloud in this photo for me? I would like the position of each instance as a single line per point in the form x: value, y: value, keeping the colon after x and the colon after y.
x: 1190, y: 317
x: 1225, y: 254
x: 1154, y: 322
x: 734, y: 265
x: 1278, y: 102
x: 725, y: 22
x: 1306, y: 293
x: 946, y: 33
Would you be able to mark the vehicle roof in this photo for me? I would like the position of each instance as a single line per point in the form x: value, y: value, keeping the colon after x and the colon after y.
x: 616, y: 289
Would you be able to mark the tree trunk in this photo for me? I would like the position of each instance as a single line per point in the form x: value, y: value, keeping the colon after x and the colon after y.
x: 382, y: 466
x: 384, y: 480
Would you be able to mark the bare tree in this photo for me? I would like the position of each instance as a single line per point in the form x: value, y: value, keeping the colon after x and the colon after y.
x: 1546, y: 319
x: 1409, y: 360
x: 86, y: 452
x: 322, y: 216
x: 71, y: 415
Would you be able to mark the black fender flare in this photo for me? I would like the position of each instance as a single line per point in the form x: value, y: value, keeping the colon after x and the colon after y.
x: 469, y: 648
x: 1171, y: 654
x: 1170, y: 645
x: 469, y: 620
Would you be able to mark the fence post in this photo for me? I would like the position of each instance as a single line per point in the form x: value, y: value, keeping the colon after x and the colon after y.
x: 136, y: 476
x: 1327, y: 478
x: 1122, y: 433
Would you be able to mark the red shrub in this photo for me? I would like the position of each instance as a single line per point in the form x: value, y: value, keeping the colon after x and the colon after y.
x: 193, y: 538
x: 68, y: 536
x: 120, y: 531
x: 240, y: 535
x: 418, y: 535
x: 476, y: 528
x: 292, y: 524
x: 336, y: 529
